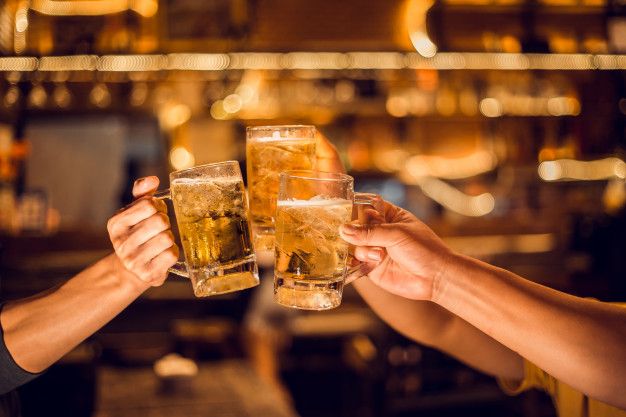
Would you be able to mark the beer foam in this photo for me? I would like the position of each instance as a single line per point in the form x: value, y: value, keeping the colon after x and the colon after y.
x: 314, y: 202
x: 192, y: 181
x: 282, y: 139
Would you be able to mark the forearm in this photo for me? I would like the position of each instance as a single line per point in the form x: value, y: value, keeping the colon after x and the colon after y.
x: 578, y: 341
x: 39, y: 330
x: 421, y: 321
x: 432, y: 325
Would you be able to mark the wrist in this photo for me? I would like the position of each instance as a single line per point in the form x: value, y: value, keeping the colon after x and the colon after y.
x: 124, y: 278
x: 452, y: 266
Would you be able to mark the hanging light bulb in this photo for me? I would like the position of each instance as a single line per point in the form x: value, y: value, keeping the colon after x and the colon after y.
x: 100, y: 96
x: 38, y: 96
x: 12, y: 96
x: 61, y: 96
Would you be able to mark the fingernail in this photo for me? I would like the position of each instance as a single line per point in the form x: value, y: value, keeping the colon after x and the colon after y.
x: 139, y: 181
x: 350, y: 229
x: 375, y: 255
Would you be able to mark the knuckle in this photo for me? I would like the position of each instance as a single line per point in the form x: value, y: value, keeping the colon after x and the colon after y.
x: 157, y: 279
x: 145, y: 277
x: 122, y: 250
x: 171, y: 256
x: 134, y: 264
x: 161, y: 221
x: 160, y: 205
x: 129, y: 264
x: 110, y: 224
x: 167, y: 239
x: 146, y: 205
x: 113, y: 225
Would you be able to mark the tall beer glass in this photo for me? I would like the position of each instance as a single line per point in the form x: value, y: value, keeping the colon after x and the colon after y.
x: 211, y: 213
x: 311, y: 259
x: 271, y: 150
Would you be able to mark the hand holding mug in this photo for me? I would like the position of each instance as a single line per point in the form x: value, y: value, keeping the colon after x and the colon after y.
x: 141, y: 235
x: 401, y: 254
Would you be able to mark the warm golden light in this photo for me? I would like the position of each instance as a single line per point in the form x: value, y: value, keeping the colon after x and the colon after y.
x: 321, y: 60
x: 174, y: 115
x: 181, y: 158
x: 550, y: 170
x: 391, y: 160
x: 139, y: 94
x: 415, y: 20
x: 11, y: 63
x: 490, y: 107
x: 397, y: 106
x: 571, y: 169
x: 68, y: 63
x: 470, y: 165
x: 38, y: 96
x: 146, y: 8
x: 198, y: 62
x: 217, y: 110
x: 257, y: 60
x: 455, y: 200
x: 12, y: 96
x: 379, y: 60
x: 21, y: 19
x: 100, y: 95
x: 423, y: 45
x: 61, y: 96
x: 232, y: 103
x: 131, y: 63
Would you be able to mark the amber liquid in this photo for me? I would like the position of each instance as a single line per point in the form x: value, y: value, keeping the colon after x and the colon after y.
x: 310, y: 256
x: 266, y: 159
x: 214, y: 232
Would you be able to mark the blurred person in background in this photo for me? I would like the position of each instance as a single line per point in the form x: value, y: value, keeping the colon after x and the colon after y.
x: 37, y: 331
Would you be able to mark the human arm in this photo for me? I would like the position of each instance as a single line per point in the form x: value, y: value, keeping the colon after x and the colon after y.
x: 578, y: 341
x: 326, y: 155
x: 41, y: 329
x: 424, y: 321
x: 429, y: 324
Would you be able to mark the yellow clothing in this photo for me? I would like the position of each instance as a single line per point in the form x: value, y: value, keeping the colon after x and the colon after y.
x: 568, y: 401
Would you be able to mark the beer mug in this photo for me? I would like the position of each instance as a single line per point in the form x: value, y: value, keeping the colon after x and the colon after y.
x: 210, y: 207
x: 271, y: 150
x: 311, y: 260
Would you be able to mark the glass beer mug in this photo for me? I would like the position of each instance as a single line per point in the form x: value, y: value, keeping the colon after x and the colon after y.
x: 271, y: 150
x: 312, y: 262
x: 210, y: 207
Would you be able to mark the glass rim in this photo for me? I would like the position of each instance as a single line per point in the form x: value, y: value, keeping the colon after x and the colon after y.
x: 210, y: 165
x: 301, y: 174
x: 278, y: 127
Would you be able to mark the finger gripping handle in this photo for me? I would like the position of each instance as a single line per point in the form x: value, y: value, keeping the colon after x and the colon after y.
x: 179, y: 268
x: 361, y: 202
x: 163, y: 194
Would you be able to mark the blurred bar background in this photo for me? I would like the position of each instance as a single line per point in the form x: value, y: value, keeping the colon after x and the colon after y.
x: 500, y: 123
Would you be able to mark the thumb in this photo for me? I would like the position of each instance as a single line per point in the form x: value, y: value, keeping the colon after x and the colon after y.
x: 385, y: 235
x: 145, y: 186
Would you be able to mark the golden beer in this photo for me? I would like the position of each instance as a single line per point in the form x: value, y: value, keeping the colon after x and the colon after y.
x: 214, y: 232
x: 310, y: 256
x: 271, y: 150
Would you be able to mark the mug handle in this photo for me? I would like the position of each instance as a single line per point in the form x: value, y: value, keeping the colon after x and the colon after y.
x: 361, y: 202
x: 179, y: 268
